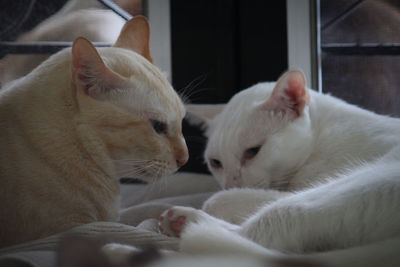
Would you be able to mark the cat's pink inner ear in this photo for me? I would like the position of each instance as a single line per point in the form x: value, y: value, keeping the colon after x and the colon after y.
x: 87, y: 65
x: 135, y: 35
x: 90, y: 74
x: 290, y: 94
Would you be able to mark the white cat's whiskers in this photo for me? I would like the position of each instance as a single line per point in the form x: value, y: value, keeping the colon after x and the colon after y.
x: 281, y: 183
x: 261, y: 184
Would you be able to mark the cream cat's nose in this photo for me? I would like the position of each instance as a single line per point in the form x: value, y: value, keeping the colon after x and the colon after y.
x: 180, y: 151
x: 182, y: 156
x: 182, y: 160
x: 180, y: 163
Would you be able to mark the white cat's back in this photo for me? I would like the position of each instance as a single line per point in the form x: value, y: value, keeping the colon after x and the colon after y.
x: 364, y: 137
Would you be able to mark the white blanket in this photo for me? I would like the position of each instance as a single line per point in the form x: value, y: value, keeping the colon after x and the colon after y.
x: 141, y: 205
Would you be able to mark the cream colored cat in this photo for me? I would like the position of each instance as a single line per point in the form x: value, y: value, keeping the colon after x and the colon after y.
x: 74, y: 125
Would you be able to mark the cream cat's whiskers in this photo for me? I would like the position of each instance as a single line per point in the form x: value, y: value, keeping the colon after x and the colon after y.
x: 131, y: 160
x: 163, y: 183
x: 135, y: 172
x: 189, y: 99
x: 189, y: 90
x: 137, y: 168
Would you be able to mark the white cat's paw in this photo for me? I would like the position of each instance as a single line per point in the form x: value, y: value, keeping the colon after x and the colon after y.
x: 173, y: 221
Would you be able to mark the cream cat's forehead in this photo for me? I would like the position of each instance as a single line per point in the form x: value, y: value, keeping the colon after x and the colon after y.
x: 149, y: 103
x: 148, y: 89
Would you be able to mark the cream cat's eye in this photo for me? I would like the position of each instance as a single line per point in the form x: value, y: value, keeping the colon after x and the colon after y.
x: 159, y: 127
x: 216, y: 164
x: 251, y: 152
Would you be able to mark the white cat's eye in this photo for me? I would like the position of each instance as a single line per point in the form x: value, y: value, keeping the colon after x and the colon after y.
x: 216, y: 164
x: 251, y: 152
x: 159, y: 127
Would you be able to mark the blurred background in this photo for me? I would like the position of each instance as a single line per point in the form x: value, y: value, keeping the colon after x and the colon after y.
x: 211, y: 49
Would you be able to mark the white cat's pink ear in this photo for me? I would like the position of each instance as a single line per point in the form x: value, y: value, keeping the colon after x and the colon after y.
x: 290, y: 94
x: 201, y: 114
x: 89, y: 73
x: 135, y: 35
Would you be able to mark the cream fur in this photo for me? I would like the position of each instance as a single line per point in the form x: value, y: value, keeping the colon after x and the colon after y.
x: 63, y: 149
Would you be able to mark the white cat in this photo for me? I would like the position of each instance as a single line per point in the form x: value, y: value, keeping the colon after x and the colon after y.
x: 336, y: 166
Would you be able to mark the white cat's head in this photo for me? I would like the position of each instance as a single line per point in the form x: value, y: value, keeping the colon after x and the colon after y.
x: 127, y: 108
x: 262, y: 136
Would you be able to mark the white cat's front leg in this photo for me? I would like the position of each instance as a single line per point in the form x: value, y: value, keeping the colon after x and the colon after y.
x: 356, y: 209
x: 226, y: 208
x: 238, y: 204
x: 173, y: 221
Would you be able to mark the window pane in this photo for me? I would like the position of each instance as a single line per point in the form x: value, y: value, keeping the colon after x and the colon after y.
x: 370, y: 81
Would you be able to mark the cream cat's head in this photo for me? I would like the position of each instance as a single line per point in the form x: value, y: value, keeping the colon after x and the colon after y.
x: 127, y: 108
x: 262, y: 136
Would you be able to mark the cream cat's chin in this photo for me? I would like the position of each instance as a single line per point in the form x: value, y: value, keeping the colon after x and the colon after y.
x: 339, y: 162
x: 84, y: 118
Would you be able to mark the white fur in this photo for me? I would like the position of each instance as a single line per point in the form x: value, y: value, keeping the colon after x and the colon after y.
x: 341, y: 163
x: 307, y: 149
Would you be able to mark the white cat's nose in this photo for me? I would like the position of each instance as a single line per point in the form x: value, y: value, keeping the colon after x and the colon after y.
x: 233, y: 181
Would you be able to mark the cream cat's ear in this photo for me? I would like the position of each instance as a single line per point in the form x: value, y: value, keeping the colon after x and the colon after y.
x: 89, y: 73
x: 135, y: 35
x: 290, y: 94
x: 201, y: 114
